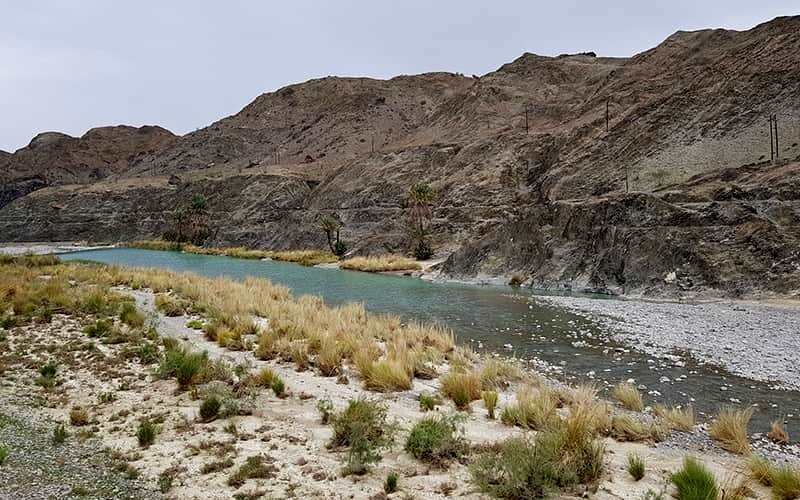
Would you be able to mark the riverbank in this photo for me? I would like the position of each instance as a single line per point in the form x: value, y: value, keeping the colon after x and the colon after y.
x: 45, y: 248
x: 758, y: 341
x: 113, y: 379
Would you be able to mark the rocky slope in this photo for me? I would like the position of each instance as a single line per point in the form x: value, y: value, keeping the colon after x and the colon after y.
x: 676, y: 196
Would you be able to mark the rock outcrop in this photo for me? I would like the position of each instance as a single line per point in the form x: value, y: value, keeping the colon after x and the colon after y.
x: 643, y: 175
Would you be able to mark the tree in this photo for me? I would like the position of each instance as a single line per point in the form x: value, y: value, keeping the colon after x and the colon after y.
x: 332, y: 226
x: 420, y: 198
x: 191, y: 222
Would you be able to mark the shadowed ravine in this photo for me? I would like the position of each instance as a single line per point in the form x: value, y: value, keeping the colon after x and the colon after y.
x: 488, y: 318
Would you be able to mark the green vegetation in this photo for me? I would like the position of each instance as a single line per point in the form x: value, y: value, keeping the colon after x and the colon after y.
x: 361, y: 427
x: 420, y: 198
x: 256, y: 467
x: 332, y: 226
x: 195, y: 324
x: 131, y: 316
x: 390, y: 485
x: 461, y: 387
x: 325, y: 408
x: 60, y: 434
x: 436, y: 440
x: 784, y: 480
x: 209, y: 408
x: 4, y: 453
x: 428, y: 402
x: 302, y: 257
x: 278, y: 387
x: 47, y: 375
x: 535, y: 409
x: 636, y: 466
x: 380, y: 263
x: 146, y: 433
x: 694, y: 481
x: 170, y: 306
x: 680, y: 419
x: 490, y: 402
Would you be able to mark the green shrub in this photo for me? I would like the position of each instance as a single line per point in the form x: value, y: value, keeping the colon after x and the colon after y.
x: 60, y: 434
x: 436, y: 440
x: 325, y: 408
x: 209, y: 408
x: 390, y: 485
x: 362, y: 427
x: 47, y: 375
x: 635, y: 466
x: 256, y: 467
x: 4, y: 452
x: 278, y: 387
x: 428, y: 402
x: 100, y: 328
x: 131, y: 316
x: 195, y: 324
x: 146, y: 433
x: 785, y: 483
x: 490, y: 402
x: 184, y: 365
x: 694, y: 481
x: 147, y: 353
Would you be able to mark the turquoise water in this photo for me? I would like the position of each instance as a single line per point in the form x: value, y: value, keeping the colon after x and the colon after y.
x: 488, y: 318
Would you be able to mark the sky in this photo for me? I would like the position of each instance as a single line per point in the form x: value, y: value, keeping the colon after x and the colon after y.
x: 73, y: 65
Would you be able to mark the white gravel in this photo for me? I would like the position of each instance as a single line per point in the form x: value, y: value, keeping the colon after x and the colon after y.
x: 754, y: 340
x: 44, y: 248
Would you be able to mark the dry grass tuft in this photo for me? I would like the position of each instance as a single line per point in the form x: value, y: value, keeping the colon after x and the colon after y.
x: 462, y: 388
x: 628, y: 396
x: 680, y: 419
x: 730, y: 429
x: 777, y: 433
x: 534, y: 409
x: 381, y: 263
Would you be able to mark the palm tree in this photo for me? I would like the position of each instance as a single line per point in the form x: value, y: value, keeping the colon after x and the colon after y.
x: 420, y: 198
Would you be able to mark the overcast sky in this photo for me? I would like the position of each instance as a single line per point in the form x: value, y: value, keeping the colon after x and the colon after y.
x: 73, y: 65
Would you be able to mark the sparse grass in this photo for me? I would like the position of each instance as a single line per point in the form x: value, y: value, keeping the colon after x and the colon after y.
x: 216, y: 466
x: 186, y: 366
x: 534, y: 409
x: 694, y: 481
x: 636, y: 466
x: 785, y: 483
x: 78, y: 416
x: 303, y: 257
x: 325, y: 409
x: 60, y: 434
x: 146, y: 433
x: 490, y: 402
x: 381, y: 263
x: 628, y: 396
x: 428, y: 402
x: 626, y: 428
x: 47, y: 375
x: 760, y: 469
x: 777, y: 433
x: 680, y: 419
x: 99, y: 329
x: 256, y: 467
x: 461, y: 387
x: 730, y: 429
x: 497, y: 373
x: 390, y: 484
x: 264, y: 377
x: 436, y: 439
x: 195, y: 324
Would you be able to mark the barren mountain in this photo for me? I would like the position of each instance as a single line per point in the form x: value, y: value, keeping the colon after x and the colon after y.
x: 676, y: 194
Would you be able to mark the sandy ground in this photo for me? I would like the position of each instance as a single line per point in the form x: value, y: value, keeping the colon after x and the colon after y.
x: 45, y: 248
x: 755, y: 340
x: 286, y: 431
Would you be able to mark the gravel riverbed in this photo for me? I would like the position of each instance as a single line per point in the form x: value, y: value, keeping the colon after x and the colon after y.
x: 757, y: 341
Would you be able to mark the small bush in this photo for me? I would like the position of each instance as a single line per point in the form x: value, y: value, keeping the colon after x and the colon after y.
x: 99, y: 329
x: 256, y: 467
x: 428, y: 402
x: 216, y: 466
x: 390, y: 485
x: 325, y: 408
x: 4, y: 453
x: 278, y: 387
x: 423, y: 251
x: 195, y: 324
x: 490, y: 402
x: 78, y: 416
x: 209, y: 408
x: 131, y: 316
x: 461, y: 388
x: 184, y: 365
x: 628, y: 396
x: 146, y: 433
x: 777, y: 433
x: 60, y: 434
x: 694, y: 481
x: 635, y: 466
x: 730, y: 429
x: 680, y: 419
x: 265, y: 377
x: 362, y: 427
x: 169, y: 306
x: 436, y: 440
x: 47, y: 375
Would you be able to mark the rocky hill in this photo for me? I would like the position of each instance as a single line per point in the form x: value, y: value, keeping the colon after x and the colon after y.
x: 674, y: 195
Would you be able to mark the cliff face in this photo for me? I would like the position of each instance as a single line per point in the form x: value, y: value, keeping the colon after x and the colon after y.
x: 675, y: 195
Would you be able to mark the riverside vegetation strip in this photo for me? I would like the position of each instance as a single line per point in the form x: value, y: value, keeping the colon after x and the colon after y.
x: 70, y: 329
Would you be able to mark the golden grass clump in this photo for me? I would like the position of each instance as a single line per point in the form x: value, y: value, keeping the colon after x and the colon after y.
x: 387, y: 375
x: 329, y: 356
x: 461, y: 387
x: 626, y: 428
x: 303, y: 257
x: 730, y: 429
x: 784, y: 480
x: 679, y: 419
x: 628, y: 396
x: 382, y: 263
x: 497, y: 374
x: 777, y: 433
x: 534, y: 409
